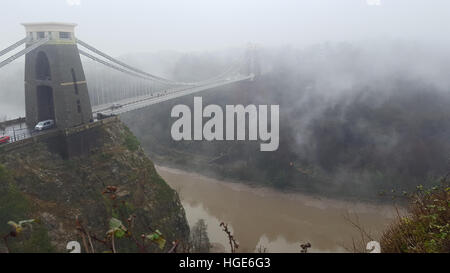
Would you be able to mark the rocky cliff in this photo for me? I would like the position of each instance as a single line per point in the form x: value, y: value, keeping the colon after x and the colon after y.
x: 115, y: 180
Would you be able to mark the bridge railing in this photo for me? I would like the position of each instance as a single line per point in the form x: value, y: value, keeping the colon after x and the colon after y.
x: 21, y: 141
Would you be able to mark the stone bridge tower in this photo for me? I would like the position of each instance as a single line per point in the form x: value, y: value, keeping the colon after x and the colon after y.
x: 252, y: 65
x: 55, y: 84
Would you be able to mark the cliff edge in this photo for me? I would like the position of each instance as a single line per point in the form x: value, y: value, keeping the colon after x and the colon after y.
x: 115, y: 180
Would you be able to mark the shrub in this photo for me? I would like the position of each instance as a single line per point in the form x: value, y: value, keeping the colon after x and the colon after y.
x: 131, y: 142
x: 427, y: 227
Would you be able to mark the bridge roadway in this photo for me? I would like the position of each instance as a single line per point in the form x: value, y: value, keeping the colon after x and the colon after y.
x: 16, y: 131
x: 126, y: 105
x: 19, y: 131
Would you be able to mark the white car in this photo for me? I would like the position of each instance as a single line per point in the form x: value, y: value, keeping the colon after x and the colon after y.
x: 44, y: 125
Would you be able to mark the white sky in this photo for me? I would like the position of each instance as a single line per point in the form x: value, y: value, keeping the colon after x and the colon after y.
x: 124, y: 26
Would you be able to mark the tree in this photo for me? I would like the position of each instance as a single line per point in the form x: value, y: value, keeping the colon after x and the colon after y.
x: 199, y: 237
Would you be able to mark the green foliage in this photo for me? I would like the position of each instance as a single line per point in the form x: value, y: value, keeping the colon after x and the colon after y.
x: 131, y: 142
x: 156, y: 237
x: 427, y: 228
x: 13, y: 204
x: 116, y: 228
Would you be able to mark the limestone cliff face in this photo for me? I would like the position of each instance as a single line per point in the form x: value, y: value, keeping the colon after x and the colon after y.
x: 37, y: 183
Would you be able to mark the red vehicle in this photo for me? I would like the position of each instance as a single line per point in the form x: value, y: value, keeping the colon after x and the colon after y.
x: 4, y: 139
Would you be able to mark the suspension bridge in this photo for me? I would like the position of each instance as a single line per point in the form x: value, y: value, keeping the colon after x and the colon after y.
x: 56, y: 86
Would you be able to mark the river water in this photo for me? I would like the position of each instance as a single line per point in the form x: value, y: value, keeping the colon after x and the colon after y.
x: 279, y: 222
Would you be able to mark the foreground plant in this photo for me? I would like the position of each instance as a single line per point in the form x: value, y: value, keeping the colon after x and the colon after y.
x: 234, y: 245
x: 119, y: 230
x: 426, y: 228
x: 18, y: 229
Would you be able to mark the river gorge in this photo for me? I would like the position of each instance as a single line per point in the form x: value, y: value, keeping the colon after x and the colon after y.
x: 277, y: 221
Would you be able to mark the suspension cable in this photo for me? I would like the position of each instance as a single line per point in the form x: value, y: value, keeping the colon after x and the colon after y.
x: 115, y: 67
x: 12, y: 47
x: 24, y: 51
x: 148, y: 75
x: 84, y: 53
x: 135, y: 70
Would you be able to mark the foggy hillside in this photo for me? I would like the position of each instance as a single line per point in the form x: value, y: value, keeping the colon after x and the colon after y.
x: 355, y: 119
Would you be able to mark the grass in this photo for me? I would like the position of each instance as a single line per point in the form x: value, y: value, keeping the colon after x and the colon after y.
x: 131, y: 142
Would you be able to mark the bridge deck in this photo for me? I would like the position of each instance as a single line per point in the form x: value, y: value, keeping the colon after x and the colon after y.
x: 144, y: 101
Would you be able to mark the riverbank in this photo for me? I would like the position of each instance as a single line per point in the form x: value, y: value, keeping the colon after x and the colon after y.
x: 278, y: 221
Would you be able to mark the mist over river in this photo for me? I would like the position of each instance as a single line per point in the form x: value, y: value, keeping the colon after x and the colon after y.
x: 275, y: 220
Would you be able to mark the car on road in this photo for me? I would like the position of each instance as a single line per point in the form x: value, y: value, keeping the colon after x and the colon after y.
x: 4, y: 139
x: 116, y: 106
x: 44, y: 125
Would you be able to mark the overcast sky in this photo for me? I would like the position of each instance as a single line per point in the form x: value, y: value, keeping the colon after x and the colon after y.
x: 124, y: 26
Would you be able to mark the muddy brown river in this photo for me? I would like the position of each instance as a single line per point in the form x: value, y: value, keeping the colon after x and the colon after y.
x: 279, y: 222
